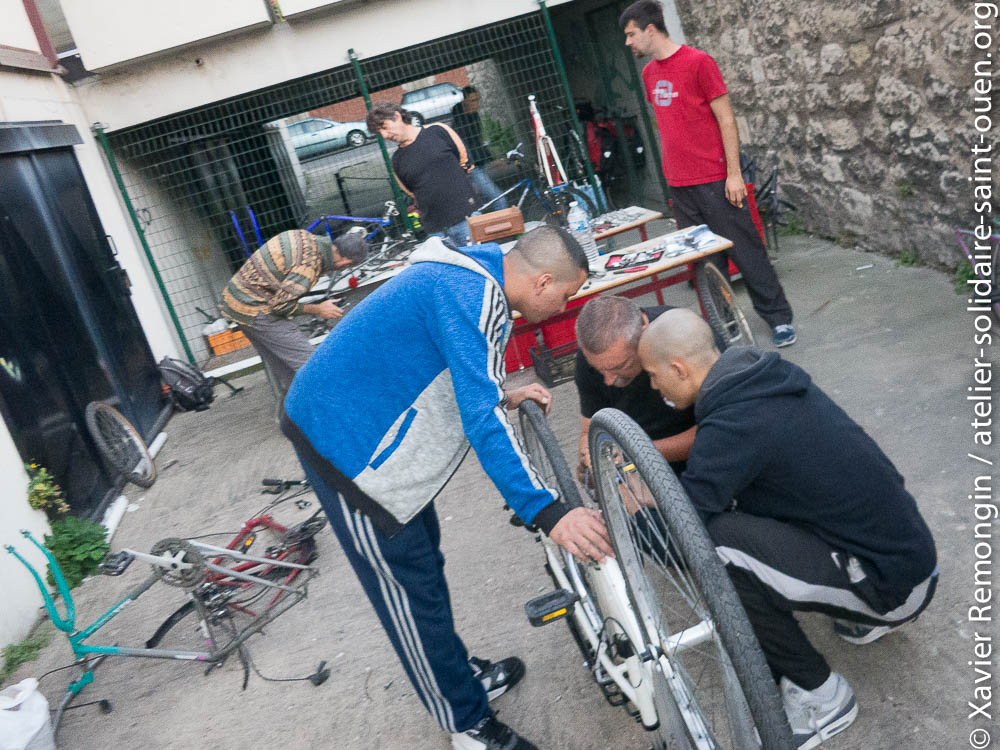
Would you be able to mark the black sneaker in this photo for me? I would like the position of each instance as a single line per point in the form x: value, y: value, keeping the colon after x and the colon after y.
x: 499, y: 677
x: 490, y: 734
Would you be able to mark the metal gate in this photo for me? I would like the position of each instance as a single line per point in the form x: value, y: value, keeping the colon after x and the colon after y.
x: 208, y: 185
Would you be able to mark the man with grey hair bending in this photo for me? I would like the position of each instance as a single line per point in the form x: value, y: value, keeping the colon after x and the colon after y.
x: 609, y: 374
x: 821, y: 523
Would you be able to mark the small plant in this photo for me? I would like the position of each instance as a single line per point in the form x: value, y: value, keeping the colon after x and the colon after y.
x: 905, y: 189
x: 908, y: 258
x: 43, y: 492
x: 500, y: 137
x: 963, y: 274
x: 78, y: 545
x: 791, y: 227
x: 27, y: 650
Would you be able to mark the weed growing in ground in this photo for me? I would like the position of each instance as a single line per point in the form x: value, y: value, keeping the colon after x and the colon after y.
x: 963, y: 274
x: 791, y: 227
x: 27, y: 650
x: 908, y: 258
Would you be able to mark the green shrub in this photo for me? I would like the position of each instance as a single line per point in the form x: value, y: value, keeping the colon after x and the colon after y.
x: 499, y: 137
x: 963, y: 274
x: 27, y: 650
x: 78, y: 546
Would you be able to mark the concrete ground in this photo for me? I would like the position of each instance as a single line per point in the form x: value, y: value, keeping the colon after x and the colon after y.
x: 892, y: 345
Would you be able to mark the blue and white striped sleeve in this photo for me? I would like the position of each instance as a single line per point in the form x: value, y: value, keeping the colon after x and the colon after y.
x: 471, y: 315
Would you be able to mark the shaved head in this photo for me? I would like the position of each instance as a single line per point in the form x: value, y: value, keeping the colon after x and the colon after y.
x: 677, y: 350
x: 679, y: 334
x: 551, y: 249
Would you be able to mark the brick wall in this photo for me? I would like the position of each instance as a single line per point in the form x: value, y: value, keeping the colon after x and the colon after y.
x: 354, y: 109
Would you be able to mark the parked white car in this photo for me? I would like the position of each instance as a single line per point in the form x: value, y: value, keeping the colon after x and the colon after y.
x: 317, y: 135
x: 432, y: 102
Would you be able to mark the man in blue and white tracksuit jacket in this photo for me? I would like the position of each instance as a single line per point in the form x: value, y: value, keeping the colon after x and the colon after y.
x: 383, y: 414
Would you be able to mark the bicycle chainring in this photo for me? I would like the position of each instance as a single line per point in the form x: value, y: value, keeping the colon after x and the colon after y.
x: 175, y: 551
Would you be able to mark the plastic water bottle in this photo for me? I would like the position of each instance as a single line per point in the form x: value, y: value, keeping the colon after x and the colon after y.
x: 579, y: 227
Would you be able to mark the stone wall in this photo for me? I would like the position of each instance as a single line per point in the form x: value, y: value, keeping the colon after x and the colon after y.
x: 865, y: 106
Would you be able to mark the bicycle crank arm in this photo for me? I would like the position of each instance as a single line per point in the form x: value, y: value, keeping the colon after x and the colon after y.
x: 166, y: 560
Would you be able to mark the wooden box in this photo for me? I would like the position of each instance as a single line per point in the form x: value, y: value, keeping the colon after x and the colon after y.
x: 227, y: 341
x: 498, y: 224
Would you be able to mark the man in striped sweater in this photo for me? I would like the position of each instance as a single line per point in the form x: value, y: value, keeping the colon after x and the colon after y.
x: 263, y: 296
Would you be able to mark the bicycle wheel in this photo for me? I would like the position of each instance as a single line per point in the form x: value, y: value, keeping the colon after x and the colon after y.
x: 723, y: 313
x: 711, y: 670
x: 120, y: 444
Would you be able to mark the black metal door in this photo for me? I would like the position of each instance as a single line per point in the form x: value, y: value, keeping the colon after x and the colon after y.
x: 68, y: 331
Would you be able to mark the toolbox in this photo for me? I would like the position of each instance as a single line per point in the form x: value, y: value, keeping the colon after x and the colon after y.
x: 495, y: 225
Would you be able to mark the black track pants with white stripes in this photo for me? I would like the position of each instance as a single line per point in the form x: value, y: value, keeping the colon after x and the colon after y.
x: 403, y: 576
x: 779, y: 569
x: 707, y: 204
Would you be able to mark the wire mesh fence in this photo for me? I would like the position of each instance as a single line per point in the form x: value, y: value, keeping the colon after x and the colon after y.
x: 210, y: 184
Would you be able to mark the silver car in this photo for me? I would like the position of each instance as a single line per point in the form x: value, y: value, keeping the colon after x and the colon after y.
x: 432, y: 102
x: 318, y: 135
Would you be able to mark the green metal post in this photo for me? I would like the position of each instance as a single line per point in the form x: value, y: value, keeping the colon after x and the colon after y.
x: 103, y: 140
x: 397, y: 193
x: 574, y: 120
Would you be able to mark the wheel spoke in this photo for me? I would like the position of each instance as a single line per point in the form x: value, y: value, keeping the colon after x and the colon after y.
x: 677, y: 584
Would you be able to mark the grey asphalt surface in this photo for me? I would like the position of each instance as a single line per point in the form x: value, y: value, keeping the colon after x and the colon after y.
x: 892, y: 345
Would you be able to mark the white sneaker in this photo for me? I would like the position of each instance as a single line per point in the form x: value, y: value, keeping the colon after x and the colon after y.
x: 814, y: 719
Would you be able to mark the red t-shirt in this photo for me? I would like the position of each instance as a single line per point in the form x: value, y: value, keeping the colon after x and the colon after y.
x: 680, y: 89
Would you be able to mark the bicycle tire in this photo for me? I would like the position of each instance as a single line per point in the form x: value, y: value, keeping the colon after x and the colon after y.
x: 119, y: 443
x: 670, y: 565
x: 723, y: 313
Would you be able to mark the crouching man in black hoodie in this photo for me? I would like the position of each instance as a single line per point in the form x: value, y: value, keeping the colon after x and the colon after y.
x: 821, y: 522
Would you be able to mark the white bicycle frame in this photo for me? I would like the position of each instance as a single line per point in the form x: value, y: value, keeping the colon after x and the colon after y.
x: 545, y: 149
x: 633, y: 677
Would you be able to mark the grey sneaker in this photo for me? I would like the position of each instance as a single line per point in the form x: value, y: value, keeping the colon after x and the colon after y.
x: 858, y: 634
x: 813, y: 720
x: 490, y: 734
x: 499, y: 677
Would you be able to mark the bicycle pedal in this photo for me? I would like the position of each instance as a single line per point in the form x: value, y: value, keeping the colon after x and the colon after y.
x: 550, y: 607
x: 115, y: 564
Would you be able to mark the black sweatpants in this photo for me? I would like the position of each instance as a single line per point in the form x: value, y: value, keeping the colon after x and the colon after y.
x: 707, y: 204
x: 778, y: 569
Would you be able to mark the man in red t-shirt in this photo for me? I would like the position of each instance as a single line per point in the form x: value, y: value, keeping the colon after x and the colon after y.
x: 701, y: 155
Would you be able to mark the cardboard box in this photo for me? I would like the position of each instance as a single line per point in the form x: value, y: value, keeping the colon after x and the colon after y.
x: 227, y: 341
x: 492, y: 226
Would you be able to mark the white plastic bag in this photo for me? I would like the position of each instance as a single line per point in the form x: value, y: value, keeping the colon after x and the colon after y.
x: 24, y: 718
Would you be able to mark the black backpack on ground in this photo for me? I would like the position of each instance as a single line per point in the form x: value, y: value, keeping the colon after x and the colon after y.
x: 190, y: 388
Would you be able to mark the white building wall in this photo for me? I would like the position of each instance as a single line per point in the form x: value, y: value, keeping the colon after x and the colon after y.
x: 16, y: 31
x: 21, y: 597
x: 175, y: 80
